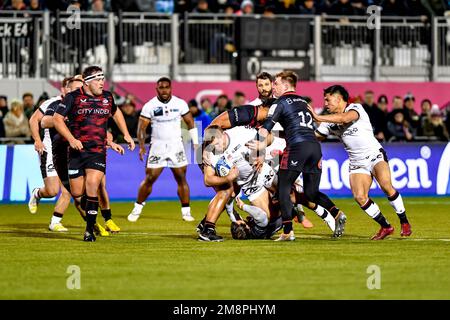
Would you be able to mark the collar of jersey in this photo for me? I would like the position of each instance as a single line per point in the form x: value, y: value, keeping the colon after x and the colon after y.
x: 288, y: 92
x: 165, y: 102
x: 84, y: 93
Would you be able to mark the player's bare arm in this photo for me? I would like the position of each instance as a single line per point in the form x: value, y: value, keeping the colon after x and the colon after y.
x: 141, y: 135
x: 114, y: 146
x: 193, y: 133
x: 120, y: 121
x: 222, y: 120
x: 61, y: 127
x: 212, y: 180
x: 344, y: 117
x: 34, y: 127
x: 47, y: 122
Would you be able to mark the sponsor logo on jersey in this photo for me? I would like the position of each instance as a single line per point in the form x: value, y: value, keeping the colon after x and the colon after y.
x: 158, y: 111
x: 105, y: 101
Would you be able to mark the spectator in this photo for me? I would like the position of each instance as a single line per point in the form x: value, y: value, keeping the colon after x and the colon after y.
x: 425, y: 106
x: 269, y: 11
x: 202, y: 7
x: 286, y: 7
x: 342, y: 8
x: 35, y: 5
x: 308, y: 7
x: 377, y: 117
x: 208, y: 107
x: 238, y: 99
x: 447, y: 116
x: 410, y: 114
x: 397, y: 103
x: 393, y: 8
x: 247, y: 7
x: 434, y: 125
x: 44, y: 96
x: 399, y: 128
x: 16, y: 123
x: 222, y: 104
x: 3, y: 105
x: 16, y: 5
x: 2, y: 126
x: 98, y: 6
x: 28, y: 104
x: 199, y: 115
x: 382, y: 104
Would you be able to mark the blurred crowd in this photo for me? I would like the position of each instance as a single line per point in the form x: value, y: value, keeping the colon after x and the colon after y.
x: 267, y: 7
x: 393, y: 118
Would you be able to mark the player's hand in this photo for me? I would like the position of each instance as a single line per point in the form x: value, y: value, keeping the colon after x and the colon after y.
x: 142, y: 153
x: 76, y: 144
x: 39, y: 147
x: 233, y: 174
x: 256, y: 145
x: 117, y: 148
x: 258, y: 163
x: 313, y: 113
x: 130, y: 142
x: 239, y: 203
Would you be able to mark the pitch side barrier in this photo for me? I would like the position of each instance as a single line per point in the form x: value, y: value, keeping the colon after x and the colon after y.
x: 418, y: 169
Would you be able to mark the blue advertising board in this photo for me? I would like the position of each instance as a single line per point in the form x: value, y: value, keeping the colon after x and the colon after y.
x: 417, y: 170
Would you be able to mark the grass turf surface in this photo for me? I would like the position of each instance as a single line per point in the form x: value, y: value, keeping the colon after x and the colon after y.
x: 158, y: 257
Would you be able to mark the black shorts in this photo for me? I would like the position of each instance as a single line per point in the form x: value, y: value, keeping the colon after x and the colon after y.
x: 267, y: 232
x: 79, y: 161
x: 303, y: 157
x: 60, y: 154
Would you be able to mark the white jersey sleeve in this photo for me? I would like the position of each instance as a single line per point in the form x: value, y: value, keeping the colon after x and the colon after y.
x: 146, y: 111
x: 43, y: 107
x: 324, y: 129
x: 256, y: 102
x: 184, y: 108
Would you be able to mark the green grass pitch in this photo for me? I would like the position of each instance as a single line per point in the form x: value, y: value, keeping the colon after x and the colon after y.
x: 159, y: 257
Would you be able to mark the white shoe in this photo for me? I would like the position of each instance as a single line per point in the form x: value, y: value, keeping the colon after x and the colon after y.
x: 57, y: 227
x: 286, y: 237
x: 33, y: 203
x: 135, y: 213
x: 188, y: 217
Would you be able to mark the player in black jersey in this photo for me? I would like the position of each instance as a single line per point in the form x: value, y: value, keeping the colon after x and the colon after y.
x: 88, y: 111
x: 303, y: 153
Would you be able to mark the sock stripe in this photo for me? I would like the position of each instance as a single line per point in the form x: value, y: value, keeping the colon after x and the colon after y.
x: 394, y: 196
x: 58, y: 215
x: 367, y: 204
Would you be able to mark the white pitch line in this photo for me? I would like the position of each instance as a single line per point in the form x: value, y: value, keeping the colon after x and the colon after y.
x: 301, y: 237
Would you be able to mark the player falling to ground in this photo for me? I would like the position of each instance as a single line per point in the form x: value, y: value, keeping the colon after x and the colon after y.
x: 59, y: 148
x: 88, y: 110
x: 303, y: 153
x: 164, y: 113
x: 368, y: 160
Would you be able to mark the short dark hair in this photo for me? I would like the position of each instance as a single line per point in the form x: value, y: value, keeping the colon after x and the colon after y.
x: 238, y: 231
x: 27, y: 94
x: 91, y: 70
x: 289, y: 76
x: 65, y: 81
x: 337, y: 89
x: 425, y: 100
x: 239, y: 94
x: 264, y: 76
x: 164, y: 79
x: 210, y: 134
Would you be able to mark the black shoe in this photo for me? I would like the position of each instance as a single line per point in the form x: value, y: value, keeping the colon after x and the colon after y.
x: 199, y: 227
x: 89, y: 236
x: 209, y: 235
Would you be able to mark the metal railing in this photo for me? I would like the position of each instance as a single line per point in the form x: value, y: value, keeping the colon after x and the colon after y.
x: 146, y: 43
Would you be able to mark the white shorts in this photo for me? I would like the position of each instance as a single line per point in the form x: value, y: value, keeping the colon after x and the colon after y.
x: 255, y: 187
x: 298, y: 184
x: 47, y: 165
x: 367, y: 164
x: 166, y: 154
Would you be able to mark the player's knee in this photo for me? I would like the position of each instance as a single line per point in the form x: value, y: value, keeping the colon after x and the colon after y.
x: 149, y: 180
x: 360, y: 198
x: 52, y: 191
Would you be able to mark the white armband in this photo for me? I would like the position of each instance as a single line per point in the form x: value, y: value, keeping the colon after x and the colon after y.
x: 193, y: 133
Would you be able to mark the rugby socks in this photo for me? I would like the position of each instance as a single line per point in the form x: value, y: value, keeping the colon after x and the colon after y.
x: 37, y: 194
x: 323, y: 214
x: 396, y: 202
x: 185, y: 210
x: 287, y: 226
x: 209, y: 225
x: 83, y: 202
x: 373, y: 211
x: 91, y: 212
x: 106, y: 213
x: 56, y: 218
x: 138, y: 207
x: 334, y: 211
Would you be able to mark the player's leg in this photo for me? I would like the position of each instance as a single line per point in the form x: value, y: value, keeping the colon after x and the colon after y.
x: 145, y: 189
x: 215, y: 208
x: 183, y: 192
x: 360, y: 185
x: 319, y: 210
x: 93, y: 179
x: 51, y: 183
x: 286, y: 179
x: 60, y: 207
x: 103, y: 198
x: 382, y: 174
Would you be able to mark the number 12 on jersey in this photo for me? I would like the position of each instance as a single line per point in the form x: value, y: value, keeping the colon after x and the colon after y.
x: 303, y: 118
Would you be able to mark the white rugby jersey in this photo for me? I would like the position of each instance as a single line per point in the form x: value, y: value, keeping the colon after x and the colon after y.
x: 256, y: 102
x: 43, y: 108
x: 357, y: 137
x: 236, y: 154
x: 165, y: 117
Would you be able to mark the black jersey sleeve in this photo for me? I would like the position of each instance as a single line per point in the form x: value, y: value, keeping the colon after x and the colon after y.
x: 51, y: 109
x: 66, y: 105
x: 274, y: 114
x: 243, y: 115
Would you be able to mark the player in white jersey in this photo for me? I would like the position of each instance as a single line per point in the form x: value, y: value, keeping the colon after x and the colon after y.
x: 164, y: 112
x: 351, y: 124
x: 49, y: 175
